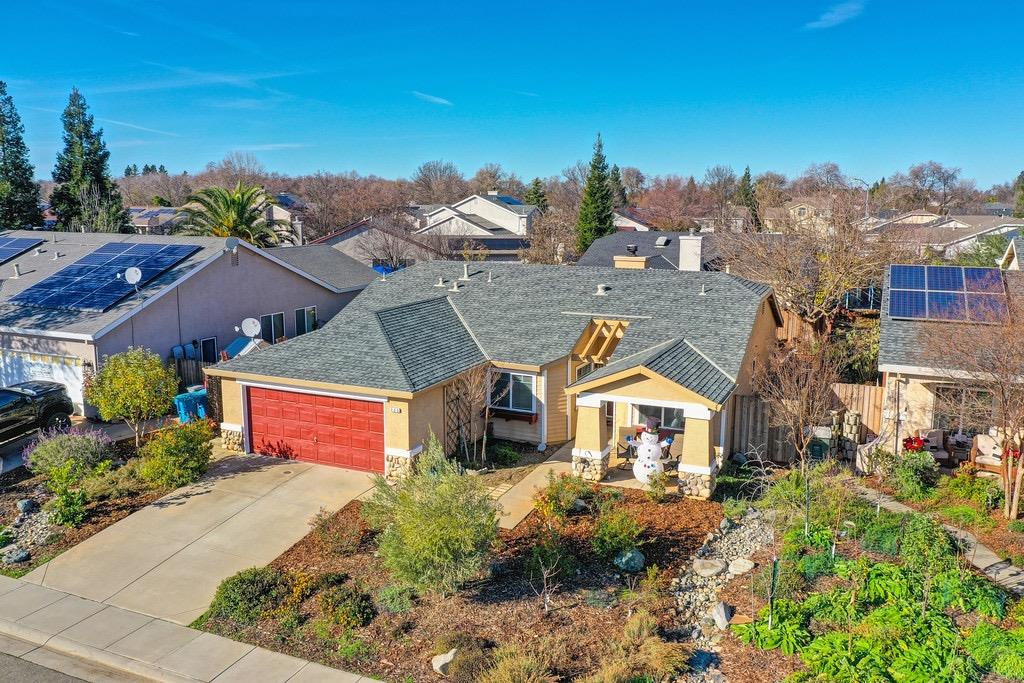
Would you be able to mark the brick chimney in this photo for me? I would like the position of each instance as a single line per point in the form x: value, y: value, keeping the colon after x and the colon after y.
x: 691, y: 251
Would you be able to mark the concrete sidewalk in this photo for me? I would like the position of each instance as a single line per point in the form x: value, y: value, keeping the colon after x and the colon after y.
x: 98, y: 642
x: 167, y: 559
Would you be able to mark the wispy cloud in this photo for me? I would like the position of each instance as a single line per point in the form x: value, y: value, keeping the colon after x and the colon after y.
x: 836, y: 15
x: 183, y: 77
x: 525, y: 93
x: 115, y: 122
x: 433, y: 99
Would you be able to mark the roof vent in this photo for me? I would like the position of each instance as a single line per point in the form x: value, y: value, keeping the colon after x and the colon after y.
x: 602, y: 290
x: 56, y: 255
x: 38, y: 252
x: 454, y: 287
x: 440, y: 282
x: 17, y: 271
x: 661, y: 242
x: 489, y: 280
x: 465, y: 272
x: 631, y: 248
x: 703, y: 290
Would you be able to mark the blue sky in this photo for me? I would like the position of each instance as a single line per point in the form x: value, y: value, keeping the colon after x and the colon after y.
x: 674, y: 87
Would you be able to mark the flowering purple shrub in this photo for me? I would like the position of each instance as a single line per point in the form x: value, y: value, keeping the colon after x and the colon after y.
x: 53, y: 449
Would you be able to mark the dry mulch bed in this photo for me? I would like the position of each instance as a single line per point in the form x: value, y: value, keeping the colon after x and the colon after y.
x: 500, y: 610
x: 529, y: 458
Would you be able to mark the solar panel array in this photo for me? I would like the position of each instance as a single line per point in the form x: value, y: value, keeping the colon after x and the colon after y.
x: 947, y: 293
x: 13, y: 246
x: 92, y: 284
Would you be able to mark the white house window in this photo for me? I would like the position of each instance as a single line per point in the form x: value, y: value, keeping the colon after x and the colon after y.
x: 208, y: 350
x: 513, y: 391
x: 305, y: 320
x: 668, y: 418
x: 272, y: 327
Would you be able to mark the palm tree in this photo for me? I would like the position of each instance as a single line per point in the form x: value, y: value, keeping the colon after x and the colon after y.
x: 243, y: 212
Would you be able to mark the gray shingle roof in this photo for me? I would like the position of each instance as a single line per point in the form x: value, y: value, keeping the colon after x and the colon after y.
x: 676, y: 360
x: 326, y: 264
x: 527, y: 314
x: 905, y: 343
x: 430, y: 341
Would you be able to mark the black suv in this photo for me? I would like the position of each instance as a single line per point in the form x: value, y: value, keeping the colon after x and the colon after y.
x: 28, y: 406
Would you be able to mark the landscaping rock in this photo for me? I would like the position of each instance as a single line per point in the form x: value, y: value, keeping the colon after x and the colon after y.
x: 721, y: 613
x: 440, y: 663
x: 580, y: 505
x: 16, y: 555
x: 27, y: 505
x: 709, y: 568
x: 725, y: 524
x: 740, y: 565
x: 630, y: 561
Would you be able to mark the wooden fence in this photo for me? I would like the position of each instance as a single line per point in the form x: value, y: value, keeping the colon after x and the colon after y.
x: 189, y: 371
x: 751, y: 427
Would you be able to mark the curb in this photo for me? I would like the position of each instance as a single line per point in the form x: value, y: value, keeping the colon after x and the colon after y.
x: 88, y: 653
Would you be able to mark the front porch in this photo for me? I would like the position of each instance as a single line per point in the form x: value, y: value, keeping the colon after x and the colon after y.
x: 610, y: 410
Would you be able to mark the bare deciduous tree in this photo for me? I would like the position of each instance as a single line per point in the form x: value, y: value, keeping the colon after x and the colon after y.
x: 671, y: 202
x: 553, y: 240
x: 494, y: 177
x: 931, y: 184
x: 634, y: 182
x: 796, y: 383
x: 985, y: 362
x: 236, y: 167
x: 812, y: 269
x: 720, y: 183
x: 439, y: 182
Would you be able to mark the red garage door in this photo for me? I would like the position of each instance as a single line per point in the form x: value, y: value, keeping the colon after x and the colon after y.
x: 324, y: 429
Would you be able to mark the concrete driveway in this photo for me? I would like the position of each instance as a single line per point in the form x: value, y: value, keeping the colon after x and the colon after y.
x: 167, y: 559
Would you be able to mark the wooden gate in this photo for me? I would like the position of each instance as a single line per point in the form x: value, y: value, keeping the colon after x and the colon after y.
x: 864, y: 399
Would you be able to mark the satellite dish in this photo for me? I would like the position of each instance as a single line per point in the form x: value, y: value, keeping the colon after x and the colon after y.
x: 231, y: 244
x: 251, y: 327
x: 133, y: 275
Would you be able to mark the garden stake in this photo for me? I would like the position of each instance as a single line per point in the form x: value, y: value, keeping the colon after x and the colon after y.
x: 771, y: 591
x: 807, y: 507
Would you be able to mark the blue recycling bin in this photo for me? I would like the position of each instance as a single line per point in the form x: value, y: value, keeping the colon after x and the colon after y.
x: 191, y: 405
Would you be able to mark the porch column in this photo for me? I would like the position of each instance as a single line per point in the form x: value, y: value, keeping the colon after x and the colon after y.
x: 698, y: 464
x: 590, y: 454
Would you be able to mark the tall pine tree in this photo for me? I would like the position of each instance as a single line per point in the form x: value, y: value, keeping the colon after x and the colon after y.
x: 19, y: 193
x: 537, y: 195
x: 85, y: 192
x: 616, y: 189
x: 747, y: 196
x: 1018, y: 196
x: 595, y: 219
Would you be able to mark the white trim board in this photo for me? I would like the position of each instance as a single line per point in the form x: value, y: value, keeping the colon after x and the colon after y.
x: 690, y: 409
x: 317, y: 392
x: 587, y: 453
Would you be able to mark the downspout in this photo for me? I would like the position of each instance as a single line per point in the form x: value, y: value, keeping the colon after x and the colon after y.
x: 543, y: 417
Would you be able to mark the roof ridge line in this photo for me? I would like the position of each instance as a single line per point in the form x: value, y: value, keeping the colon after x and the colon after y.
x: 469, y: 330
x: 715, y: 365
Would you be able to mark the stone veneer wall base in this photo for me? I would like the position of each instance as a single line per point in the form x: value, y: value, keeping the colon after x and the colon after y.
x: 590, y: 468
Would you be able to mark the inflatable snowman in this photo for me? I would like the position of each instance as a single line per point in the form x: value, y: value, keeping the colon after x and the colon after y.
x: 648, y: 457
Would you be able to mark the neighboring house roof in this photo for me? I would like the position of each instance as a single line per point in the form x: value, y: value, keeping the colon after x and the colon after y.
x: 515, y: 313
x: 603, y: 250
x: 903, y: 344
x: 325, y: 263
x: 71, y: 246
x: 947, y: 230
x: 1013, y: 251
x: 153, y: 216
x: 634, y: 214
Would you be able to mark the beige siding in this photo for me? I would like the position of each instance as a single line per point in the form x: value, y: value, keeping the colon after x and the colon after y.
x: 557, y: 402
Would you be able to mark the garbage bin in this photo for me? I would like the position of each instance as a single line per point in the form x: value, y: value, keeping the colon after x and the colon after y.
x: 191, y: 405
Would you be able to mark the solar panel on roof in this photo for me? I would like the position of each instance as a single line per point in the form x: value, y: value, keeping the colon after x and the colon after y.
x: 947, y: 293
x: 15, y: 246
x: 92, y: 283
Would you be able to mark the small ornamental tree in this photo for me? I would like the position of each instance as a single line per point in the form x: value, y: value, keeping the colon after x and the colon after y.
x: 436, y: 526
x: 134, y: 386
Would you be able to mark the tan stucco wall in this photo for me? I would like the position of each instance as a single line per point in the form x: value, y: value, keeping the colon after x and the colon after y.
x: 212, y: 302
x: 231, y: 401
x: 591, y: 433
x: 917, y: 401
x: 698, y: 443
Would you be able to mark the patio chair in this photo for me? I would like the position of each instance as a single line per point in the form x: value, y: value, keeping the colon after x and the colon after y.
x: 936, y: 446
x: 987, y: 454
x: 625, y: 449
